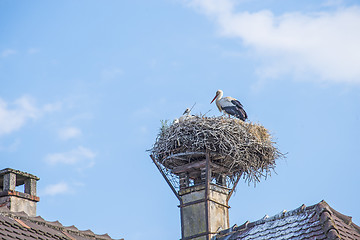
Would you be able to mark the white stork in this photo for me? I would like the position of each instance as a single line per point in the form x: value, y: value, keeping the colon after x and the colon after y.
x: 229, y: 105
x: 185, y: 116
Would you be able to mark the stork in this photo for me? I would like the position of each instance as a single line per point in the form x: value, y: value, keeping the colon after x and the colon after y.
x: 185, y: 116
x: 229, y: 105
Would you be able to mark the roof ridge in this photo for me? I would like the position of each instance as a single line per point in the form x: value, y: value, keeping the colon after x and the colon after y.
x: 54, y: 224
x: 327, y: 222
x: 280, y: 215
x: 345, y: 218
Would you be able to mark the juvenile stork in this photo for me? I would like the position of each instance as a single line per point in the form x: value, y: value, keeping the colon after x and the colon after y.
x: 186, y: 115
x: 229, y: 105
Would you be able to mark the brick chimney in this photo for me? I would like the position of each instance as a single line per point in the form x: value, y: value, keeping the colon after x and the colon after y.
x: 14, y: 200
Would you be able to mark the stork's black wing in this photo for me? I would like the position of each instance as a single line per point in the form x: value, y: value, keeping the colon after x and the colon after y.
x: 243, y: 116
x: 237, y: 103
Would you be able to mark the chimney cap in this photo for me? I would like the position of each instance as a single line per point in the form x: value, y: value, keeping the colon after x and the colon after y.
x: 20, y: 176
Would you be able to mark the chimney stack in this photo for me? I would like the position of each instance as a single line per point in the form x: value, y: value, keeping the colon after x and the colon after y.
x: 14, y: 200
x: 203, y: 191
x: 204, y: 208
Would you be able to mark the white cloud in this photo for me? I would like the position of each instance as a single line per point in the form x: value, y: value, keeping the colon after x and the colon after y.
x: 16, y: 114
x: 323, y: 43
x: 14, y: 117
x: 8, y: 52
x: 69, y: 132
x: 79, y: 155
x: 56, y: 189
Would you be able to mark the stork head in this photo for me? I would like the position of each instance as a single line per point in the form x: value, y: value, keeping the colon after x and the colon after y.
x: 219, y: 94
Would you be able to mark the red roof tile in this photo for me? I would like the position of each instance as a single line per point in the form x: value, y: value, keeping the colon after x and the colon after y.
x: 319, y: 221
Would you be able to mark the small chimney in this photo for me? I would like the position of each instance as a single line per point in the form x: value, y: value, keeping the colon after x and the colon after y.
x: 14, y: 200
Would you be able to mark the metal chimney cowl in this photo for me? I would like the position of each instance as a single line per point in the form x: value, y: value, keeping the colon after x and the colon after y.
x: 14, y: 200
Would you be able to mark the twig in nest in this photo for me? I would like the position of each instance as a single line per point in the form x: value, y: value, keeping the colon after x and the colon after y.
x: 235, y: 145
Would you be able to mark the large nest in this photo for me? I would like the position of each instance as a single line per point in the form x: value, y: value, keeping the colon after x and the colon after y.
x: 236, y: 146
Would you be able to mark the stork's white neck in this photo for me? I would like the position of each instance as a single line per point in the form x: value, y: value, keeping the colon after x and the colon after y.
x: 220, y: 95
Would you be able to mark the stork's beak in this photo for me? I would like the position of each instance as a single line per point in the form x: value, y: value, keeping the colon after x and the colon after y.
x: 214, y: 98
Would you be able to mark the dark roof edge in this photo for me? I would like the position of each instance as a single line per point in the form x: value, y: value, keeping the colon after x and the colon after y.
x: 54, y: 225
x: 324, y: 206
x: 327, y: 222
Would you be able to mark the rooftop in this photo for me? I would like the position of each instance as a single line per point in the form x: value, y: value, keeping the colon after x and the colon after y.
x: 319, y: 221
x: 18, y: 225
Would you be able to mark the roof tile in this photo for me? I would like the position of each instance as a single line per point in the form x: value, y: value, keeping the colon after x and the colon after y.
x: 315, y: 222
x: 103, y: 236
x: 72, y: 228
x: 21, y: 226
x: 55, y: 224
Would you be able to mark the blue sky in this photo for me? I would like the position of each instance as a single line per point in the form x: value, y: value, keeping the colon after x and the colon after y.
x: 84, y: 85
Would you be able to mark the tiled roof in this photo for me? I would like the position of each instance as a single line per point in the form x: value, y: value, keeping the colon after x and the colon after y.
x: 20, y: 226
x: 319, y: 221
